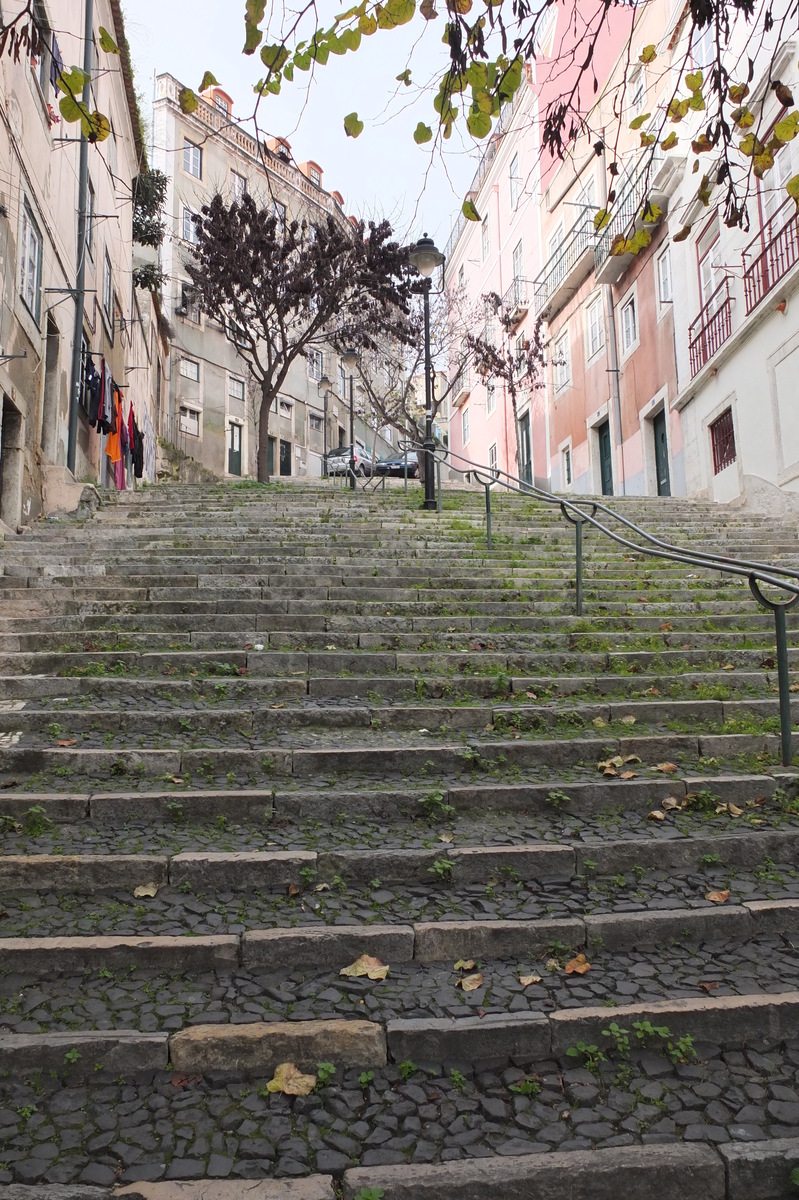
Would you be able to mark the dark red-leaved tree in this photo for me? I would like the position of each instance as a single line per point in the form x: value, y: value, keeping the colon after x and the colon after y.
x: 281, y: 290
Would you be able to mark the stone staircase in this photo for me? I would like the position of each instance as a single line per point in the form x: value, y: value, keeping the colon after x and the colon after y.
x: 249, y: 735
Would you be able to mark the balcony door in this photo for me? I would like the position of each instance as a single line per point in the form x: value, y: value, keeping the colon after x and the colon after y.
x: 605, y: 458
x: 710, y: 274
x: 661, y: 454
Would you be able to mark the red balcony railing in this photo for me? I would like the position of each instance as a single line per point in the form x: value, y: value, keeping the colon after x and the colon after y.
x: 780, y: 241
x: 712, y: 327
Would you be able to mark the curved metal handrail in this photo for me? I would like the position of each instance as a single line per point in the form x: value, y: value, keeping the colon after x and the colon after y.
x: 784, y: 579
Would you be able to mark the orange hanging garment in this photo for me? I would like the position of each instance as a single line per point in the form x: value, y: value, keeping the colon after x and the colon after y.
x: 113, y: 447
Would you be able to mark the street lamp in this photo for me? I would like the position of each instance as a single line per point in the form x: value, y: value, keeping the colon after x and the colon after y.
x: 323, y: 386
x: 426, y: 259
x: 349, y: 360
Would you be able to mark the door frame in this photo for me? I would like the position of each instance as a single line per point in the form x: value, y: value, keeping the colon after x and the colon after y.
x: 592, y: 426
x: 646, y: 418
x: 232, y: 423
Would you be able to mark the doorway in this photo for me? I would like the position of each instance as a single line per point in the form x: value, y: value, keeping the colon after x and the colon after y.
x: 270, y: 455
x: 49, y: 439
x: 525, y: 449
x: 285, y: 457
x: 605, y: 458
x: 11, y: 462
x: 661, y: 454
x: 234, y: 449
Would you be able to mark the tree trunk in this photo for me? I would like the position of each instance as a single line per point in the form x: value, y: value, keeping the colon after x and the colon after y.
x: 263, y: 436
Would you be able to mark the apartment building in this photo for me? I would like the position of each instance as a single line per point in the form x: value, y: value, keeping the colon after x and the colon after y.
x: 213, y: 404
x: 39, y: 201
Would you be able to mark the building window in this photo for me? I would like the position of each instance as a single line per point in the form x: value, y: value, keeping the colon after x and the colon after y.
x: 596, y: 327
x: 664, y: 278
x: 316, y: 176
x: 342, y: 380
x: 515, y: 180
x: 722, y: 441
x: 637, y: 92
x: 285, y: 408
x: 108, y: 289
x: 316, y: 364
x: 41, y: 64
x: 235, y: 388
x: 192, y: 159
x: 90, y: 209
x: 493, y: 459
x: 566, y: 456
x: 238, y: 184
x: 703, y: 46
x: 190, y: 233
x: 518, y: 262
x: 562, y: 362
x: 30, y: 275
x: 221, y: 105
x: 486, y: 239
x: 279, y: 211
x: 629, y: 324
x: 190, y: 303
x: 461, y: 276
x: 315, y: 423
x: 190, y: 369
x: 491, y: 397
x: 189, y: 421
x: 465, y: 426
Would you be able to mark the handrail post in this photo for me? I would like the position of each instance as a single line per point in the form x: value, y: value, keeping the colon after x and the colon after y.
x: 578, y: 549
x: 784, y: 684
x: 438, y: 484
x: 488, y: 515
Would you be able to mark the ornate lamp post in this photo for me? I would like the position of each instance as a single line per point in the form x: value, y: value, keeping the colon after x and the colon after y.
x: 324, y: 387
x: 426, y: 259
x: 349, y: 360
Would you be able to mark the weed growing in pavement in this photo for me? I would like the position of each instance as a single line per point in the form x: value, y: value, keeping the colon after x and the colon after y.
x: 72, y: 1056
x: 324, y: 1073
x: 458, y: 1081
x: 592, y: 1056
x: 370, y: 1193
x: 443, y: 868
x: 710, y: 860
x: 365, y: 1078
x: 526, y: 1087
x: 407, y: 1068
x: 435, y: 807
x: 555, y: 798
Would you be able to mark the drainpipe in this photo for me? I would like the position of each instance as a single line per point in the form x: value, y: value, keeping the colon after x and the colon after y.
x: 80, y: 281
x: 613, y: 345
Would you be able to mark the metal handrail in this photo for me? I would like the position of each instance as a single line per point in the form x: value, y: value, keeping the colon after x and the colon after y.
x: 574, y: 511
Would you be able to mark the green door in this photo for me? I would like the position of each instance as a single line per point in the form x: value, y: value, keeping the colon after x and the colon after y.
x: 661, y: 454
x: 525, y: 448
x: 234, y: 449
x: 270, y: 455
x: 605, y: 458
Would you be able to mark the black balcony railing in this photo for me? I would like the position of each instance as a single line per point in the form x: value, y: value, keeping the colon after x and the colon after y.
x: 559, y: 265
x: 516, y: 296
x: 780, y: 242
x: 630, y: 201
x: 712, y: 327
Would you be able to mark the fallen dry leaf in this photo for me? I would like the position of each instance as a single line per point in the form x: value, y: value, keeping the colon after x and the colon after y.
x: 599, y: 723
x: 718, y: 897
x: 761, y: 800
x: 708, y: 987
x: 734, y: 810
x: 768, y: 664
x: 632, y: 758
x: 720, y: 808
x: 666, y: 627
x: 289, y: 1079
x: 670, y: 803
x: 277, y: 706
x: 176, y: 779
x: 294, y: 890
x: 182, y: 1081
x: 628, y: 775
x: 657, y: 815
x: 794, y: 687
x: 322, y: 887
x: 68, y: 742
x: 445, y: 837
x: 526, y: 980
x: 578, y: 966
x: 552, y: 964
x: 464, y: 964
x: 331, y: 647
x: 628, y: 720
x: 533, y: 695
x: 728, y: 667
x: 470, y: 983
x: 366, y: 965
x: 146, y: 889
x: 667, y: 768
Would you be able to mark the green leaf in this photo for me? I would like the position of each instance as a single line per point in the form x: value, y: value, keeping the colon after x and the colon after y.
x: 648, y: 54
x: 208, y: 80
x: 394, y: 13
x: 640, y: 240
x: 738, y: 92
x: 350, y: 39
x: 704, y: 191
x: 742, y: 117
x: 478, y: 123
x: 792, y: 188
x: 461, y: 7
x: 71, y: 109
x: 697, y: 102
x: 252, y: 37
x: 319, y: 51
x: 670, y: 141
x: 684, y: 233
x: 511, y: 81
x: 640, y: 120
x: 273, y: 57
x: 601, y: 219
x: 787, y: 129
x: 648, y: 139
x: 423, y: 133
x: 619, y: 245
x: 353, y: 127
x: 367, y: 25
x: 188, y: 101
x: 763, y: 162
x: 95, y: 126
x: 107, y: 43
x: 73, y: 81
x: 288, y: 72
x: 678, y: 109
x: 255, y: 10
x: 694, y: 80
x: 405, y: 77
x: 470, y: 212
x: 651, y: 213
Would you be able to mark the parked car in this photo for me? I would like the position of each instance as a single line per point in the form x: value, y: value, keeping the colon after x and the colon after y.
x: 395, y: 465
x: 338, y: 461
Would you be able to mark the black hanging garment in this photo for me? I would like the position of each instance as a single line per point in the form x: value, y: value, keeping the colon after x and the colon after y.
x: 138, y: 451
x: 93, y: 390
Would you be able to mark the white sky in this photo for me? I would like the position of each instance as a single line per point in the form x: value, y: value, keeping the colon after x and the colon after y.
x: 383, y: 172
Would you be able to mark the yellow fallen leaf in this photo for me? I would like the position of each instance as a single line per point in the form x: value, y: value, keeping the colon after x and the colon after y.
x: 176, y: 779
x: 629, y: 720
x: 628, y: 775
x: 718, y: 897
x: 632, y: 758
x: 534, y: 696
x: 667, y: 768
x: 721, y: 808
x: 657, y: 815
x: 794, y: 687
x: 526, y: 980
x: 289, y: 1079
x: 372, y: 968
x: 671, y: 802
x: 322, y: 887
x: 146, y: 889
x: 470, y: 983
x: 331, y: 647
x: 578, y: 966
x: 552, y: 964
x: 728, y: 667
x: 277, y: 706
x: 464, y: 964
x: 734, y: 810
x: 446, y: 837
x: 599, y: 723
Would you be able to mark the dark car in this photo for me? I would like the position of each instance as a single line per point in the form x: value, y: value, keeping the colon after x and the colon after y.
x: 396, y: 465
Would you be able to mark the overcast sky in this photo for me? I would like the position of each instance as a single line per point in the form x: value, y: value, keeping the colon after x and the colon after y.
x: 383, y: 172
